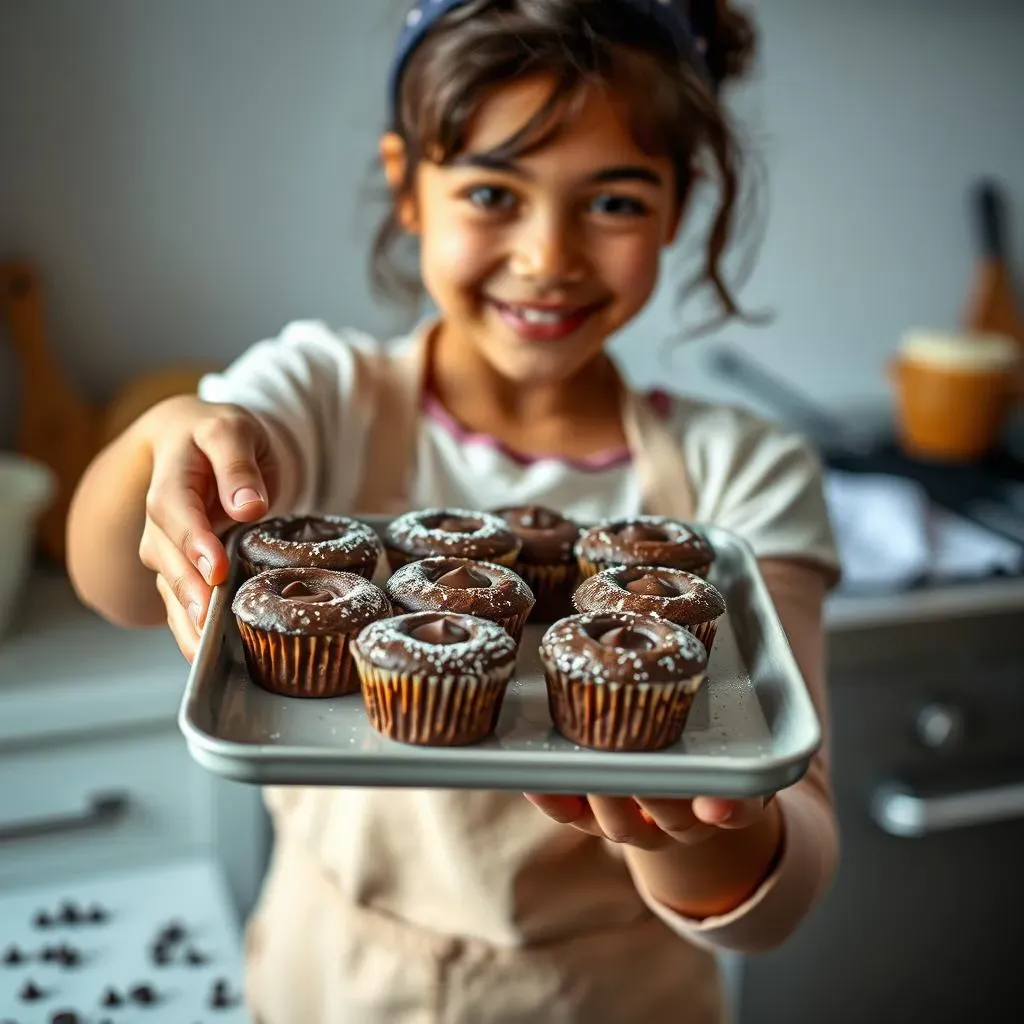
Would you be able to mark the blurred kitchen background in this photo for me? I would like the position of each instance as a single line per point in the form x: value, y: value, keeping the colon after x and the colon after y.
x: 184, y: 178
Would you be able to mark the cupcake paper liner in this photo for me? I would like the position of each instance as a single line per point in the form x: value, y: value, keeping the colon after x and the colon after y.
x: 706, y: 632
x: 436, y: 711
x: 619, y: 716
x: 552, y: 586
x: 299, y: 666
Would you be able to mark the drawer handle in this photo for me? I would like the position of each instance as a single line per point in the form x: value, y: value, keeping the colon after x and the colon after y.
x: 900, y: 811
x: 101, y: 811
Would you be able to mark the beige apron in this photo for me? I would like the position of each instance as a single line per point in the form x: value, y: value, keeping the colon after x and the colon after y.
x: 464, y: 907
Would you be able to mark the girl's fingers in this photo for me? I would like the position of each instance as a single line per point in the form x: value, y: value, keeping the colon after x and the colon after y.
x: 190, y: 591
x: 675, y: 818
x: 231, y: 442
x: 566, y: 810
x: 621, y: 821
x: 733, y: 814
x: 175, y: 504
x: 180, y: 625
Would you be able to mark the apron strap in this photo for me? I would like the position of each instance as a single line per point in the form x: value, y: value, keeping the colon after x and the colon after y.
x: 392, y: 384
x: 657, y: 459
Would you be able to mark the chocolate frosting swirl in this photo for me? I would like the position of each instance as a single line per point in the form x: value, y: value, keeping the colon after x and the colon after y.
x: 436, y: 644
x: 674, y: 594
x: 309, y: 602
x: 547, y: 536
x: 646, y: 540
x: 460, y: 585
x: 322, y: 542
x: 623, y: 647
x: 455, y: 532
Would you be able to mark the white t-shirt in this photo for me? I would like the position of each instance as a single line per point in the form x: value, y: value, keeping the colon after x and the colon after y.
x: 747, y: 475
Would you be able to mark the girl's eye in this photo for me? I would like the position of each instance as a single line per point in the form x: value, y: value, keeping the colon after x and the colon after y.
x: 491, y: 197
x: 618, y: 206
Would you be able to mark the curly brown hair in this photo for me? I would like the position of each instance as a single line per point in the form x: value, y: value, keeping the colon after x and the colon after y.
x: 677, y: 111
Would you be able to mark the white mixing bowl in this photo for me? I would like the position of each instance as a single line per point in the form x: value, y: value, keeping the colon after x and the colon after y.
x: 27, y: 488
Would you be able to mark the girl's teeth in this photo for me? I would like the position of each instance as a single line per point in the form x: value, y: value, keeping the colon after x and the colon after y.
x: 537, y: 316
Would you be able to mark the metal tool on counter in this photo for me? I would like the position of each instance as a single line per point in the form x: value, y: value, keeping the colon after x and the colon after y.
x: 800, y: 412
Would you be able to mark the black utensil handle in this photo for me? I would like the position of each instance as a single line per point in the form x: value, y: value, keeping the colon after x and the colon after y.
x: 990, y: 210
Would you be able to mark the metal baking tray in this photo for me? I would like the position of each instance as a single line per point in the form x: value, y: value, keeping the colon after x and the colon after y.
x: 752, y: 729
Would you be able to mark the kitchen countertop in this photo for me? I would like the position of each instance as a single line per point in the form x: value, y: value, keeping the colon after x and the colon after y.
x: 848, y: 612
x: 63, y: 669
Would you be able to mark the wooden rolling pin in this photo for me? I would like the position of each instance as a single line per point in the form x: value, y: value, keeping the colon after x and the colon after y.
x: 55, y: 424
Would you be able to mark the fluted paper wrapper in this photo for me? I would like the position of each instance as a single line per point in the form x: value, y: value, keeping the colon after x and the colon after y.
x: 588, y: 568
x: 706, y: 632
x: 299, y: 666
x: 433, y: 711
x: 619, y: 716
x: 553, y: 587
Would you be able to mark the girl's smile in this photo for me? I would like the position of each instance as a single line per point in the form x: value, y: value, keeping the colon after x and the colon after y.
x: 535, y: 258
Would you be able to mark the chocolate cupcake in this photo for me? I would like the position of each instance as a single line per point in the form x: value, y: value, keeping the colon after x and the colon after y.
x: 673, y: 594
x: 621, y: 681
x: 316, y: 542
x: 452, y: 533
x: 546, y: 560
x: 297, y: 626
x: 644, y: 540
x: 464, y: 587
x: 433, y: 678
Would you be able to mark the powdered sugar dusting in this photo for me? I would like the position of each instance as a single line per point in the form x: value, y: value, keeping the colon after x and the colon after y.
x: 414, y: 586
x: 387, y: 642
x: 417, y: 533
x: 352, y: 602
x: 571, y: 647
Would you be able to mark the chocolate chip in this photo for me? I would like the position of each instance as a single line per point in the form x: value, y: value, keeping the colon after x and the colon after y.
x: 13, y: 955
x: 439, y: 631
x: 194, y: 958
x: 42, y: 919
x: 299, y: 591
x: 30, y: 992
x: 220, y: 996
x: 70, y: 957
x: 69, y: 913
x: 464, y: 577
x: 111, y: 998
x: 64, y: 1017
x: 160, y: 955
x: 144, y: 994
x: 50, y: 954
x: 174, y: 932
x: 640, y: 533
x: 627, y: 639
x: 97, y: 915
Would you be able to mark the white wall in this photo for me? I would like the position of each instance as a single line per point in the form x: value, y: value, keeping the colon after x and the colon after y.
x: 190, y: 175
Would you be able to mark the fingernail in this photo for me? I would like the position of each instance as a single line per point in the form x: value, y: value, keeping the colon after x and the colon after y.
x: 205, y: 568
x: 195, y: 613
x: 245, y: 496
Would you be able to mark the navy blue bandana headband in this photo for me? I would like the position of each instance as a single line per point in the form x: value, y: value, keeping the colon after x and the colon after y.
x: 668, y: 15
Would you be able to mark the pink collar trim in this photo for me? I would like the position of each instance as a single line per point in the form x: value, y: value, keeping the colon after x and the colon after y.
x: 600, y: 462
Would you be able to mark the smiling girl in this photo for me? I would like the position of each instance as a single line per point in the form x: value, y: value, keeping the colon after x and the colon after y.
x: 543, y: 154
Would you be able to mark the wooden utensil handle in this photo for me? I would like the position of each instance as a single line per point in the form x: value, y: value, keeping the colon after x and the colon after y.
x: 990, y: 212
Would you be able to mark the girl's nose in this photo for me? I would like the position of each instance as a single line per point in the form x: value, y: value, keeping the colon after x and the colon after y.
x: 546, y: 249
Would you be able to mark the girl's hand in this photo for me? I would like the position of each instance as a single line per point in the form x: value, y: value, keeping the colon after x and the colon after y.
x: 650, y: 823
x: 211, y: 467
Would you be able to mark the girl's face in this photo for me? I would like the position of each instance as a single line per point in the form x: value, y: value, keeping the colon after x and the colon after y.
x: 535, y: 262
